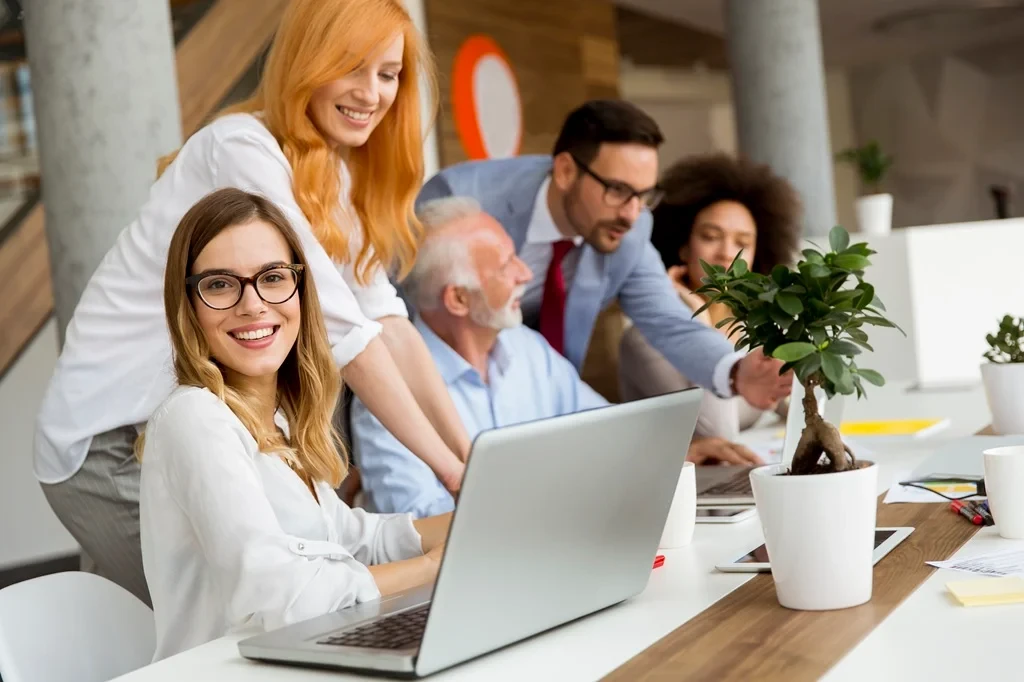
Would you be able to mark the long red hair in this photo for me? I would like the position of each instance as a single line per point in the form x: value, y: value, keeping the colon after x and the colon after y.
x: 320, y: 41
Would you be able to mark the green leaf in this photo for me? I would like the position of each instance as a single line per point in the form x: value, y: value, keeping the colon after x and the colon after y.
x: 871, y: 376
x: 818, y: 336
x: 838, y: 238
x: 768, y: 296
x: 808, y: 366
x: 877, y: 321
x: 789, y: 302
x: 833, y: 366
x: 877, y: 303
x: 812, y: 256
x: 726, y: 321
x: 846, y: 348
x: 738, y: 267
x: 867, y: 296
x: 795, y: 289
x: 796, y: 331
x: 850, y: 261
x: 711, y: 270
x: 793, y: 352
x: 780, y: 318
x: 780, y: 273
x: 857, y: 334
x: 819, y: 271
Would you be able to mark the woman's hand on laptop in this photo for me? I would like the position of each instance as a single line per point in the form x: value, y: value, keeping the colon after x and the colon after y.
x: 721, y: 451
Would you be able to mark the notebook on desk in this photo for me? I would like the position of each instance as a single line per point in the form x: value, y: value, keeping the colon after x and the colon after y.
x: 730, y: 485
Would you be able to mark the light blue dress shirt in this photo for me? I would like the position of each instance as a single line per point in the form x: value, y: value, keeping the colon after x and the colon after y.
x: 528, y: 381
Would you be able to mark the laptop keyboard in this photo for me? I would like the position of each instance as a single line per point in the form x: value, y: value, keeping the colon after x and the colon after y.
x: 737, y: 485
x: 393, y: 632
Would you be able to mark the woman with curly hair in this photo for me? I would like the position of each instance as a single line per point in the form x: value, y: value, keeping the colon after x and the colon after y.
x: 715, y: 207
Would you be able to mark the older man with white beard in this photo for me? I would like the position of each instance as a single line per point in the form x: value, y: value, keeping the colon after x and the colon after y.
x: 466, y: 286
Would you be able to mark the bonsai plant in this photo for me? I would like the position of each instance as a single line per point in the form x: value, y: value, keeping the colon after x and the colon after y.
x: 1003, y: 375
x: 874, y: 208
x: 817, y: 512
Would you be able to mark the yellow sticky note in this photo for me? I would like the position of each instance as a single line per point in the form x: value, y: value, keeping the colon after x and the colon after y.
x: 895, y: 427
x: 988, y: 591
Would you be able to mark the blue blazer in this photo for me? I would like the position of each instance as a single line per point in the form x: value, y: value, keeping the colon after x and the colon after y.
x: 634, y: 273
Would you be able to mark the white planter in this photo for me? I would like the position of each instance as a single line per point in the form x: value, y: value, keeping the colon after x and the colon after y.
x: 819, y: 531
x: 874, y: 214
x: 1004, y: 389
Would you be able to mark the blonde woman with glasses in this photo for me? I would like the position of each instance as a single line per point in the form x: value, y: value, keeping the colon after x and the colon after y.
x: 334, y: 137
x: 241, y: 526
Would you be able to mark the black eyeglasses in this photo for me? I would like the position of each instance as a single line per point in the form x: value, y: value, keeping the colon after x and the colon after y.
x: 222, y: 290
x: 618, y: 194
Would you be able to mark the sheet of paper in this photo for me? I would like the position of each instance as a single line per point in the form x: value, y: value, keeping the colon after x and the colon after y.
x: 997, y: 564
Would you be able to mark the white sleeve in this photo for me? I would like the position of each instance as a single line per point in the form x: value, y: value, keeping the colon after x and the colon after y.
x: 265, y: 574
x: 378, y: 297
x: 246, y: 160
x: 378, y: 538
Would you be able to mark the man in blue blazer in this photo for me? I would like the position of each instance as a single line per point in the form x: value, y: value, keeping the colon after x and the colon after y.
x: 581, y: 220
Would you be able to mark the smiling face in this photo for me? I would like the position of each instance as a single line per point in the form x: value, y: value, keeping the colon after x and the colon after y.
x: 346, y: 111
x: 251, y: 339
x: 502, y: 275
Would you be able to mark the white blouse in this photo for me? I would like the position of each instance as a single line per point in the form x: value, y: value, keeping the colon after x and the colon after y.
x: 232, y: 538
x: 115, y: 367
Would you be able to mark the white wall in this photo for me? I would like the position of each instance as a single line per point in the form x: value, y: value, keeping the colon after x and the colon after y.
x: 29, y: 530
x: 695, y: 111
x: 431, y: 156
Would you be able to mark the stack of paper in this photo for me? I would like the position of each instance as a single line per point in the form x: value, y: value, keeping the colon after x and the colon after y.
x: 988, y: 591
x: 1006, y: 563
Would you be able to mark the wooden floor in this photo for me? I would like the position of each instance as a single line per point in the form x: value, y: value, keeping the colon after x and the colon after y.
x: 212, y: 57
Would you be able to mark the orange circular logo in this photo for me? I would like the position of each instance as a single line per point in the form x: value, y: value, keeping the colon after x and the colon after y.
x: 485, y: 100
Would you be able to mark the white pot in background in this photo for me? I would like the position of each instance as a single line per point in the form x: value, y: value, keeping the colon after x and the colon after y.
x: 874, y: 214
x: 1004, y: 388
x: 820, y: 534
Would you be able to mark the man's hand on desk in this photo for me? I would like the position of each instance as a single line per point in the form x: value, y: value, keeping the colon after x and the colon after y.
x: 756, y: 378
x: 721, y: 451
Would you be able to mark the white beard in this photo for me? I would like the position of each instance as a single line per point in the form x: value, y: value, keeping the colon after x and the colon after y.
x: 506, y: 317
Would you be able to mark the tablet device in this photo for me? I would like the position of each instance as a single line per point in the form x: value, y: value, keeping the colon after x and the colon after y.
x: 724, y: 514
x: 756, y: 561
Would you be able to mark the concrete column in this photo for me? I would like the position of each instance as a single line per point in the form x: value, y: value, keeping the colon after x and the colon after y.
x: 106, y: 98
x: 778, y: 82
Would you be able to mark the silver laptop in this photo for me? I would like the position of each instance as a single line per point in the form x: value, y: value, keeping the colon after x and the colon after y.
x: 557, y: 519
x: 730, y: 485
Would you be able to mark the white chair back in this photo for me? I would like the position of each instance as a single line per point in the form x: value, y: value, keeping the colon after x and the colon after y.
x: 72, y: 627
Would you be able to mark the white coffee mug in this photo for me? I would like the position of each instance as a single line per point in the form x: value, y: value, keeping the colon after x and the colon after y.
x: 682, y: 517
x: 1004, y: 483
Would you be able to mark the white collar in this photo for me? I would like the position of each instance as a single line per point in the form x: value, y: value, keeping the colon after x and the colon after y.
x: 542, y: 228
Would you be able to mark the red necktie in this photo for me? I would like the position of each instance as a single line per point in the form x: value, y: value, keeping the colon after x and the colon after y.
x: 552, y: 307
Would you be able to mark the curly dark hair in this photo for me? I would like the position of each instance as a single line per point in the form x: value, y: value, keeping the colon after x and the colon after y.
x: 696, y: 182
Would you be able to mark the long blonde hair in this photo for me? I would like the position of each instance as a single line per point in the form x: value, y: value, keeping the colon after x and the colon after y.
x: 308, y: 382
x: 320, y: 41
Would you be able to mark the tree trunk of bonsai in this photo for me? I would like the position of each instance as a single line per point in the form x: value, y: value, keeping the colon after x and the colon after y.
x: 819, y: 438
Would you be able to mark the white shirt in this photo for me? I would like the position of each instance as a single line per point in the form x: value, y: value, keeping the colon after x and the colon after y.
x: 541, y: 234
x: 115, y: 367
x: 232, y: 538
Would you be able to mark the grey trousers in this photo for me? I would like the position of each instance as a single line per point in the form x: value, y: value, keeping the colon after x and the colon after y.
x: 99, y: 506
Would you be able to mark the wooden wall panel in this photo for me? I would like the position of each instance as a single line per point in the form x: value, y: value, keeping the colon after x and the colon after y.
x: 563, y: 52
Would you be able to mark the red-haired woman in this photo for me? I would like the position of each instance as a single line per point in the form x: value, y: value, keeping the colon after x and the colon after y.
x: 333, y: 137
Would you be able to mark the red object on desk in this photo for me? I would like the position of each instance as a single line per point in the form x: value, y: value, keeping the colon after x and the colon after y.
x: 659, y: 560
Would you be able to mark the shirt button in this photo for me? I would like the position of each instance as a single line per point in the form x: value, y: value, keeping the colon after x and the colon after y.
x: 301, y: 547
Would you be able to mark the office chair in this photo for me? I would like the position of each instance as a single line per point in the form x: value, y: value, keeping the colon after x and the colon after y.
x: 72, y: 627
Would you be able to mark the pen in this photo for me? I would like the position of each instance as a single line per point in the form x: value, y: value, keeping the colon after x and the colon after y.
x: 659, y: 560
x: 982, y: 508
x: 963, y: 510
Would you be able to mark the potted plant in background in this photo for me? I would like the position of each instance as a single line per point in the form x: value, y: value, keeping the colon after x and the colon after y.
x: 817, y: 513
x: 874, y: 209
x: 1003, y: 376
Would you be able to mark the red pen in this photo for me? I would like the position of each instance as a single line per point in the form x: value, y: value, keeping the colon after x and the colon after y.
x: 659, y: 560
x: 965, y: 511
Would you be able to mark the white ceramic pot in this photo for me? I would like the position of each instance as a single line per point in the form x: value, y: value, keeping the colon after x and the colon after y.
x: 819, y: 531
x: 1004, y: 389
x: 874, y: 214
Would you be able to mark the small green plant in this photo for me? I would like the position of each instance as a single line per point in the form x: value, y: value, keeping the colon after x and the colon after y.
x: 1007, y: 344
x: 871, y: 163
x: 811, y: 320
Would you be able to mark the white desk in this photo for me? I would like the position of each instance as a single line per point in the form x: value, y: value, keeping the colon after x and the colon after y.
x: 687, y: 584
